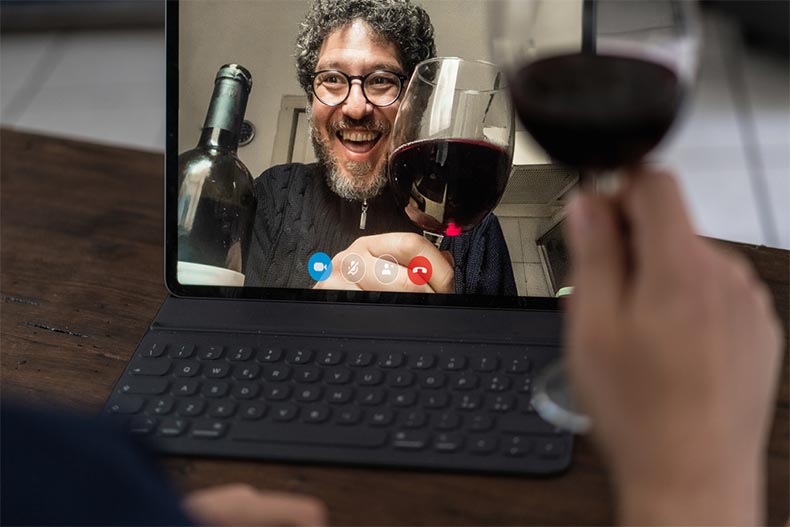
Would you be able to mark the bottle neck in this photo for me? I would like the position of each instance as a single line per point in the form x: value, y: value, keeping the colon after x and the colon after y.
x: 222, y: 127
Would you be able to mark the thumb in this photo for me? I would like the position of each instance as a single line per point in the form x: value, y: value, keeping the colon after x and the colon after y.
x: 597, y: 250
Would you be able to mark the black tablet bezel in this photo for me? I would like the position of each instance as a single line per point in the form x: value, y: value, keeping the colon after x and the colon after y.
x: 263, y: 293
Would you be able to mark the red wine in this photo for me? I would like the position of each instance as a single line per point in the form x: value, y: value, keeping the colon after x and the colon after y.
x: 596, y: 111
x: 449, y: 185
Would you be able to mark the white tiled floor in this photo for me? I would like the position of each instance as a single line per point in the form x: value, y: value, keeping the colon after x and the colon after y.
x: 109, y: 87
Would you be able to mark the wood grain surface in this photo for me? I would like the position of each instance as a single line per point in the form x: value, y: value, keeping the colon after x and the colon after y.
x: 81, y: 279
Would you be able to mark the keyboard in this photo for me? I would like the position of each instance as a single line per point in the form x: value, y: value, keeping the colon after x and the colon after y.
x: 430, y: 405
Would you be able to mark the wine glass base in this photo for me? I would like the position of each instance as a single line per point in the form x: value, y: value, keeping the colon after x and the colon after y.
x: 553, y: 402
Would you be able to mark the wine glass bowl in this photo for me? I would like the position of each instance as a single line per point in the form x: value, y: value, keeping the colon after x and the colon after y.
x: 452, y: 145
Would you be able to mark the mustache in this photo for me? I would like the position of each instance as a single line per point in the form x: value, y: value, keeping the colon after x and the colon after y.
x: 368, y: 123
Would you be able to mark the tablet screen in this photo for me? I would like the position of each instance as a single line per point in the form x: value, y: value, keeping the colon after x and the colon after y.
x: 307, y: 160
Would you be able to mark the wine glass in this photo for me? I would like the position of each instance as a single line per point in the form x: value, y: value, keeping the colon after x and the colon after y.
x: 597, y: 83
x: 452, y: 145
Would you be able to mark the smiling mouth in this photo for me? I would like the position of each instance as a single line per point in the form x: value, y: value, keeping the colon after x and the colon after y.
x: 358, y: 142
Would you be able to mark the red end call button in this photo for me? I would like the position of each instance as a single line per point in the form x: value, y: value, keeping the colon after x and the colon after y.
x: 420, y: 270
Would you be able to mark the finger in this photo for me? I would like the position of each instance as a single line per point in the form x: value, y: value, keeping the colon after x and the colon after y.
x: 661, y: 230
x: 404, y: 246
x: 598, y: 255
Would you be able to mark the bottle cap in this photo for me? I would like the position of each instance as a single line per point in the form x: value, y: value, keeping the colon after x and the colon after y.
x: 235, y: 72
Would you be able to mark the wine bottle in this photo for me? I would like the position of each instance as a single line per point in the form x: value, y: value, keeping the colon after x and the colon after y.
x: 216, y: 196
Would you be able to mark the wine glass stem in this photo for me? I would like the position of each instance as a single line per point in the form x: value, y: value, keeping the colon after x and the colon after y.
x: 434, y: 238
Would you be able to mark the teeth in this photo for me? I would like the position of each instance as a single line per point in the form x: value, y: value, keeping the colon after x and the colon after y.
x: 359, y: 137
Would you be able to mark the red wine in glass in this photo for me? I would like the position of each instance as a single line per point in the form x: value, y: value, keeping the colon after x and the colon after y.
x: 596, y: 112
x: 462, y: 178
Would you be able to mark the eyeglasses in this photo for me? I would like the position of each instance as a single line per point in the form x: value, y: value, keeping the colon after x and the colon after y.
x: 380, y: 87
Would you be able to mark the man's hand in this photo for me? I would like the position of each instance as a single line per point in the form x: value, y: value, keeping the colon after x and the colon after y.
x: 674, y: 350
x: 241, y: 505
x: 403, y: 246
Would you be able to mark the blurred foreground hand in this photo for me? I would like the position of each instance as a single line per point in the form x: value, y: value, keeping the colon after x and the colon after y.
x: 242, y: 505
x: 674, y: 352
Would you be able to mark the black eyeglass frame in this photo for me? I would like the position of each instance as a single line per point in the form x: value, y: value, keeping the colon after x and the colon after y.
x: 362, y: 78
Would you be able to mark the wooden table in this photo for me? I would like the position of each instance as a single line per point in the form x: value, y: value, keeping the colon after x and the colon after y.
x: 82, y: 278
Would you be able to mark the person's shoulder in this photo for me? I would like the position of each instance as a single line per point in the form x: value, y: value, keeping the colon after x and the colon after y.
x: 288, y: 170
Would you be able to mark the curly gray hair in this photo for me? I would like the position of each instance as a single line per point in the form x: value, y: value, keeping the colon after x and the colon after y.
x: 404, y: 24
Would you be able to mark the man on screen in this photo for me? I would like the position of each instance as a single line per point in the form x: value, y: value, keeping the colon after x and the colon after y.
x: 342, y: 206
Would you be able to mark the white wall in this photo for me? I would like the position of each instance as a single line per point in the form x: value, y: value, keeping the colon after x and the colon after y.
x: 259, y: 35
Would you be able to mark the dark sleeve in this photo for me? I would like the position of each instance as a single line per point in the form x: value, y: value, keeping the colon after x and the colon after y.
x: 67, y: 470
x: 482, y: 260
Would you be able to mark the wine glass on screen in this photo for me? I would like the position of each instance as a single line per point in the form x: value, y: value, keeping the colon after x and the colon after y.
x: 597, y: 84
x: 452, y: 145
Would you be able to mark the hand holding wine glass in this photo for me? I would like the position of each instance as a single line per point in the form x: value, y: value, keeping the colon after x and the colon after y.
x: 597, y: 83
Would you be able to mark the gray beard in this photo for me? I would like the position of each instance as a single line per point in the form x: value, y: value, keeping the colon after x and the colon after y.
x: 359, y: 184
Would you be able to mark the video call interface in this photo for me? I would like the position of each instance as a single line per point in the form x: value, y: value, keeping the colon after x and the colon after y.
x: 341, y: 195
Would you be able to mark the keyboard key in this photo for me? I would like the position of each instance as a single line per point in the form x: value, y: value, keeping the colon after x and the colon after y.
x: 240, y: 354
x: 448, y: 442
x: 162, y: 405
x: 215, y: 389
x: 187, y: 368
x: 317, y: 413
x: 549, y: 448
x: 481, y: 422
x: 485, y: 364
x: 205, y: 429
x: 252, y: 411
x: 142, y: 424
x: 423, y: 361
x: 183, y: 351
x: 299, y: 356
x: 222, y: 409
x: 501, y: 403
x: 330, y: 358
x: 338, y: 376
x: 432, y: 380
x: 518, y: 365
x: 435, y: 399
x: 526, y: 424
x: 391, y: 360
x: 401, y: 378
x: 452, y: 362
x: 381, y: 417
x: 285, y: 412
x: 307, y: 393
x: 307, y: 374
x: 306, y: 434
x: 349, y: 416
x: 517, y: 446
x: 191, y: 407
x: 217, y: 371
x: 153, y: 367
x: 144, y: 386
x: 211, y: 353
x: 404, y: 398
x: 126, y: 405
x: 185, y: 388
x: 277, y: 373
x: 361, y: 359
x: 525, y: 385
x: 410, y: 440
x: 371, y: 378
x: 172, y: 427
x: 246, y: 372
x: 497, y: 383
x: 482, y: 444
x: 469, y: 401
x: 277, y: 393
x: 339, y: 395
x: 447, y: 421
x: 270, y: 355
x: 464, y: 381
x: 371, y: 397
x: 414, y: 419
x: 245, y: 390
x: 153, y: 350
